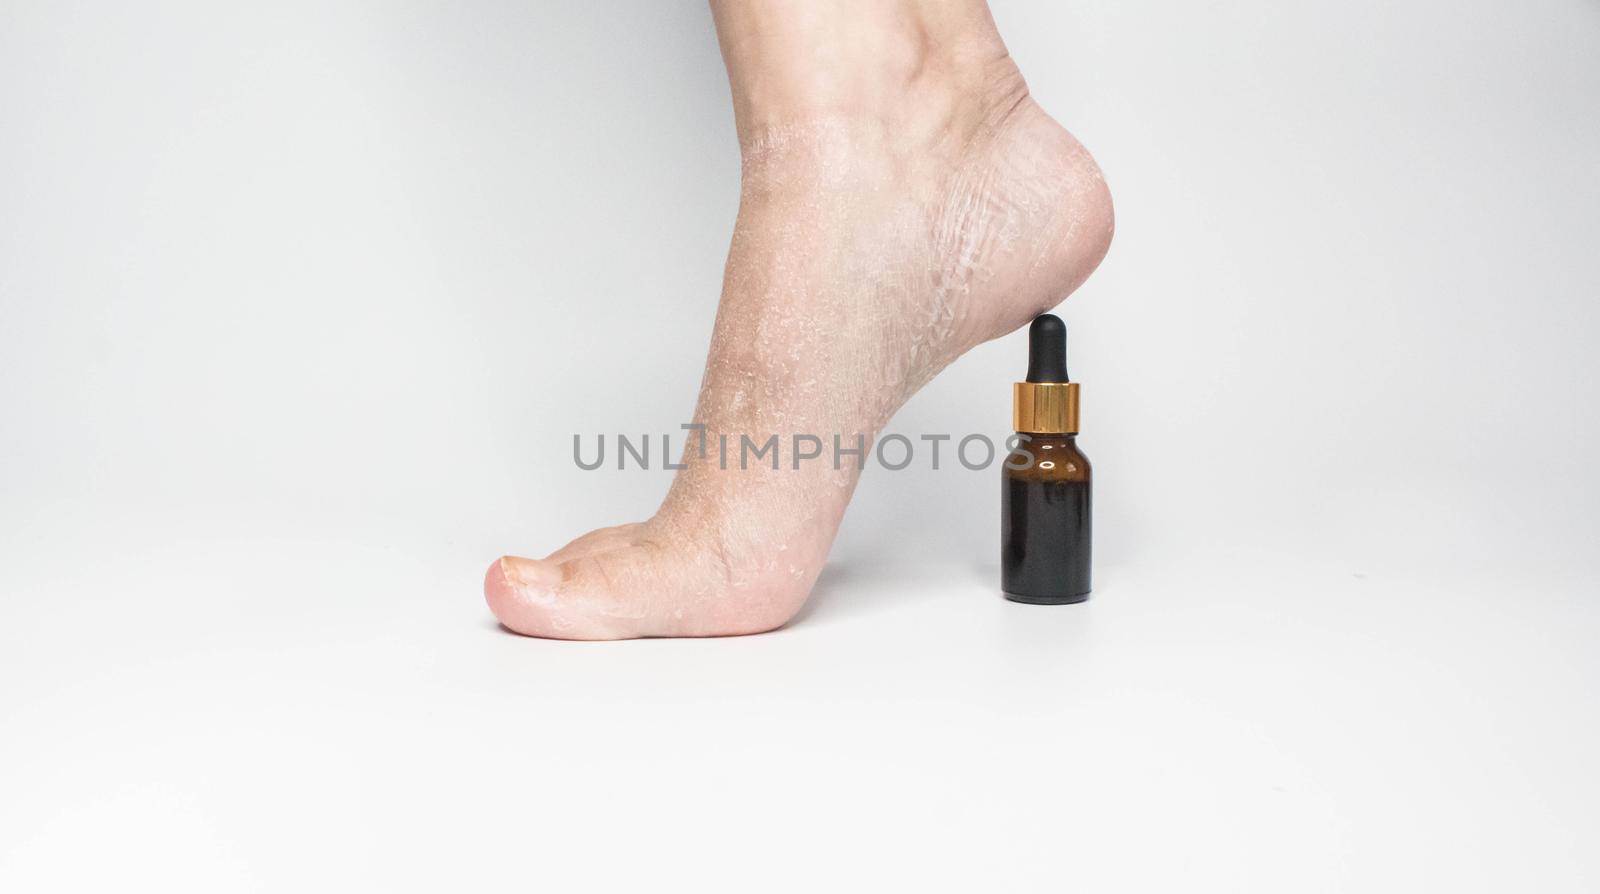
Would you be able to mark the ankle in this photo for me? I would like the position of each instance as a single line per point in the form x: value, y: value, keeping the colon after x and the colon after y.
x: 907, y: 67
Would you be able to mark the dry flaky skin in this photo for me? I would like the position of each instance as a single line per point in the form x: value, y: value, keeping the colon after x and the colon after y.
x: 867, y: 256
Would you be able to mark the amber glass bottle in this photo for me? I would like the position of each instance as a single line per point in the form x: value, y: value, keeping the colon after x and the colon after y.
x: 1045, y: 512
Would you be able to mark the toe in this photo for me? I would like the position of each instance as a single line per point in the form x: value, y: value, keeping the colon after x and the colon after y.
x: 521, y: 593
x: 635, y: 590
x: 567, y: 600
x: 597, y: 541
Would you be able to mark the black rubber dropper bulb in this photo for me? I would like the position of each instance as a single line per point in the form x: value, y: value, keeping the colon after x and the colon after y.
x: 1047, y: 350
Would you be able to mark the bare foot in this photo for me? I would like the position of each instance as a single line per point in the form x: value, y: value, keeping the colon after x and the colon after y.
x: 878, y: 239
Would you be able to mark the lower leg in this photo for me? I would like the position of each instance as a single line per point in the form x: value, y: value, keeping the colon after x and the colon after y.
x: 903, y: 200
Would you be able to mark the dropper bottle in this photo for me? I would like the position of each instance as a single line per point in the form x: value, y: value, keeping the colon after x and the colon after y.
x: 1045, y: 488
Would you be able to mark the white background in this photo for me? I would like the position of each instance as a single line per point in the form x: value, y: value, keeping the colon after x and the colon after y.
x: 301, y: 304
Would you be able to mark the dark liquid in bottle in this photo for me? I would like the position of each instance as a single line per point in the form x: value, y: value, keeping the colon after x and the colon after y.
x: 1045, y: 530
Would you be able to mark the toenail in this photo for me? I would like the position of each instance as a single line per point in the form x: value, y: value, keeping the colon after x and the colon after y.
x: 530, y: 575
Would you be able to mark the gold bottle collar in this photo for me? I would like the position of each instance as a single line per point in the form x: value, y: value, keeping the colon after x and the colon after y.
x: 1045, y: 408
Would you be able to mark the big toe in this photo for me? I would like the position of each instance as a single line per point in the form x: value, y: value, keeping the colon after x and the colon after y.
x: 522, y: 595
x: 638, y: 590
x: 572, y: 599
